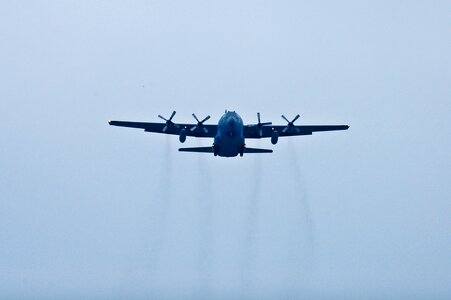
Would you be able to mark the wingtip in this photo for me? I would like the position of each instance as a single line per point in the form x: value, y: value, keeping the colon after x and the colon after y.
x: 109, y: 122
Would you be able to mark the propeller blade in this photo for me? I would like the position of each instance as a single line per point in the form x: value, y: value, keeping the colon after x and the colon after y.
x: 164, y: 128
x: 285, y: 119
x: 173, y: 114
x: 195, y: 117
x: 206, y: 118
x: 285, y: 130
x: 258, y: 117
x: 205, y: 130
x: 260, y: 132
x: 161, y: 117
x: 193, y: 128
x: 295, y: 118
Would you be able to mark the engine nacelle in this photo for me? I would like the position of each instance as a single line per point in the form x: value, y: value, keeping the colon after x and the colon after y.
x: 275, y: 137
x: 182, y: 136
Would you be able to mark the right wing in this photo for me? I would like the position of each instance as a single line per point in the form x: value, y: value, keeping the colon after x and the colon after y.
x: 173, y: 129
x: 251, y: 131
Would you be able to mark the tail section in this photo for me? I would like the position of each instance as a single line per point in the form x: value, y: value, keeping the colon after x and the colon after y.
x: 197, y: 149
x: 255, y: 150
x: 212, y: 150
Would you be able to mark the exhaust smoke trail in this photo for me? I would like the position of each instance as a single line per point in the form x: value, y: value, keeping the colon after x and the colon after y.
x: 206, y: 221
x: 303, y: 231
x: 251, y: 228
x: 161, y: 206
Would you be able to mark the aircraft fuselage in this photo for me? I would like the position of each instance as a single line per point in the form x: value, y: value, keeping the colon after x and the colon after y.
x: 229, y: 140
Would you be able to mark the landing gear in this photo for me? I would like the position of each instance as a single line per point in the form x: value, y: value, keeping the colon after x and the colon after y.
x: 242, y: 151
x: 215, y: 150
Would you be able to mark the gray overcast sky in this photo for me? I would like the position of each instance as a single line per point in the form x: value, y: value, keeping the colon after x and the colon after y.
x: 101, y: 212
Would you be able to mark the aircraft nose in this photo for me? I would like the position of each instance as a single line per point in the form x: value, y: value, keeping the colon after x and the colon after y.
x: 232, y: 122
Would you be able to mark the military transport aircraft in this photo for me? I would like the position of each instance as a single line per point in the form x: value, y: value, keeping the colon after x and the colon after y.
x: 230, y: 133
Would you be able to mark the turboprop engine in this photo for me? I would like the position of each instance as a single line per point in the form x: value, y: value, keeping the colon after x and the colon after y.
x: 182, y: 136
x: 275, y: 137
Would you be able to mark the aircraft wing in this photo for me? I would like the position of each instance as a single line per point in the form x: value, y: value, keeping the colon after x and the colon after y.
x: 204, y: 131
x: 252, y: 131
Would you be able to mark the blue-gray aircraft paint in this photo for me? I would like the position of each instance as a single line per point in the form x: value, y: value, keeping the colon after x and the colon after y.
x: 230, y: 133
x: 229, y: 141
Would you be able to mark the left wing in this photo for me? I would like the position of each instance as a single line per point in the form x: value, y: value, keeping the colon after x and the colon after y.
x: 252, y: 131
x: 199, y: 130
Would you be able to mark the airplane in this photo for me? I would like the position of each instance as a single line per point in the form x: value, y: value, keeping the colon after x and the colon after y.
x: 230, y: 133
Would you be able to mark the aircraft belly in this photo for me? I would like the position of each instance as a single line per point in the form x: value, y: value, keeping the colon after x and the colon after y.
x: 230, y: 147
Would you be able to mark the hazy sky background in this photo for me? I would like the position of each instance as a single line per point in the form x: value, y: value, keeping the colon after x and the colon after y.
x: 88, y: 210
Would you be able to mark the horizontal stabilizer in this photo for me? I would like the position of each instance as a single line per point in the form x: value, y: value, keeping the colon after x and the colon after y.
x: 255, y: 150
x: 197, y: 149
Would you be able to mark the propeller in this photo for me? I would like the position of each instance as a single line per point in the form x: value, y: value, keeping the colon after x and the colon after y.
x: 169, y: 122
x: 260, y: 125
x: 290, y: 125
x: 200, y: 124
